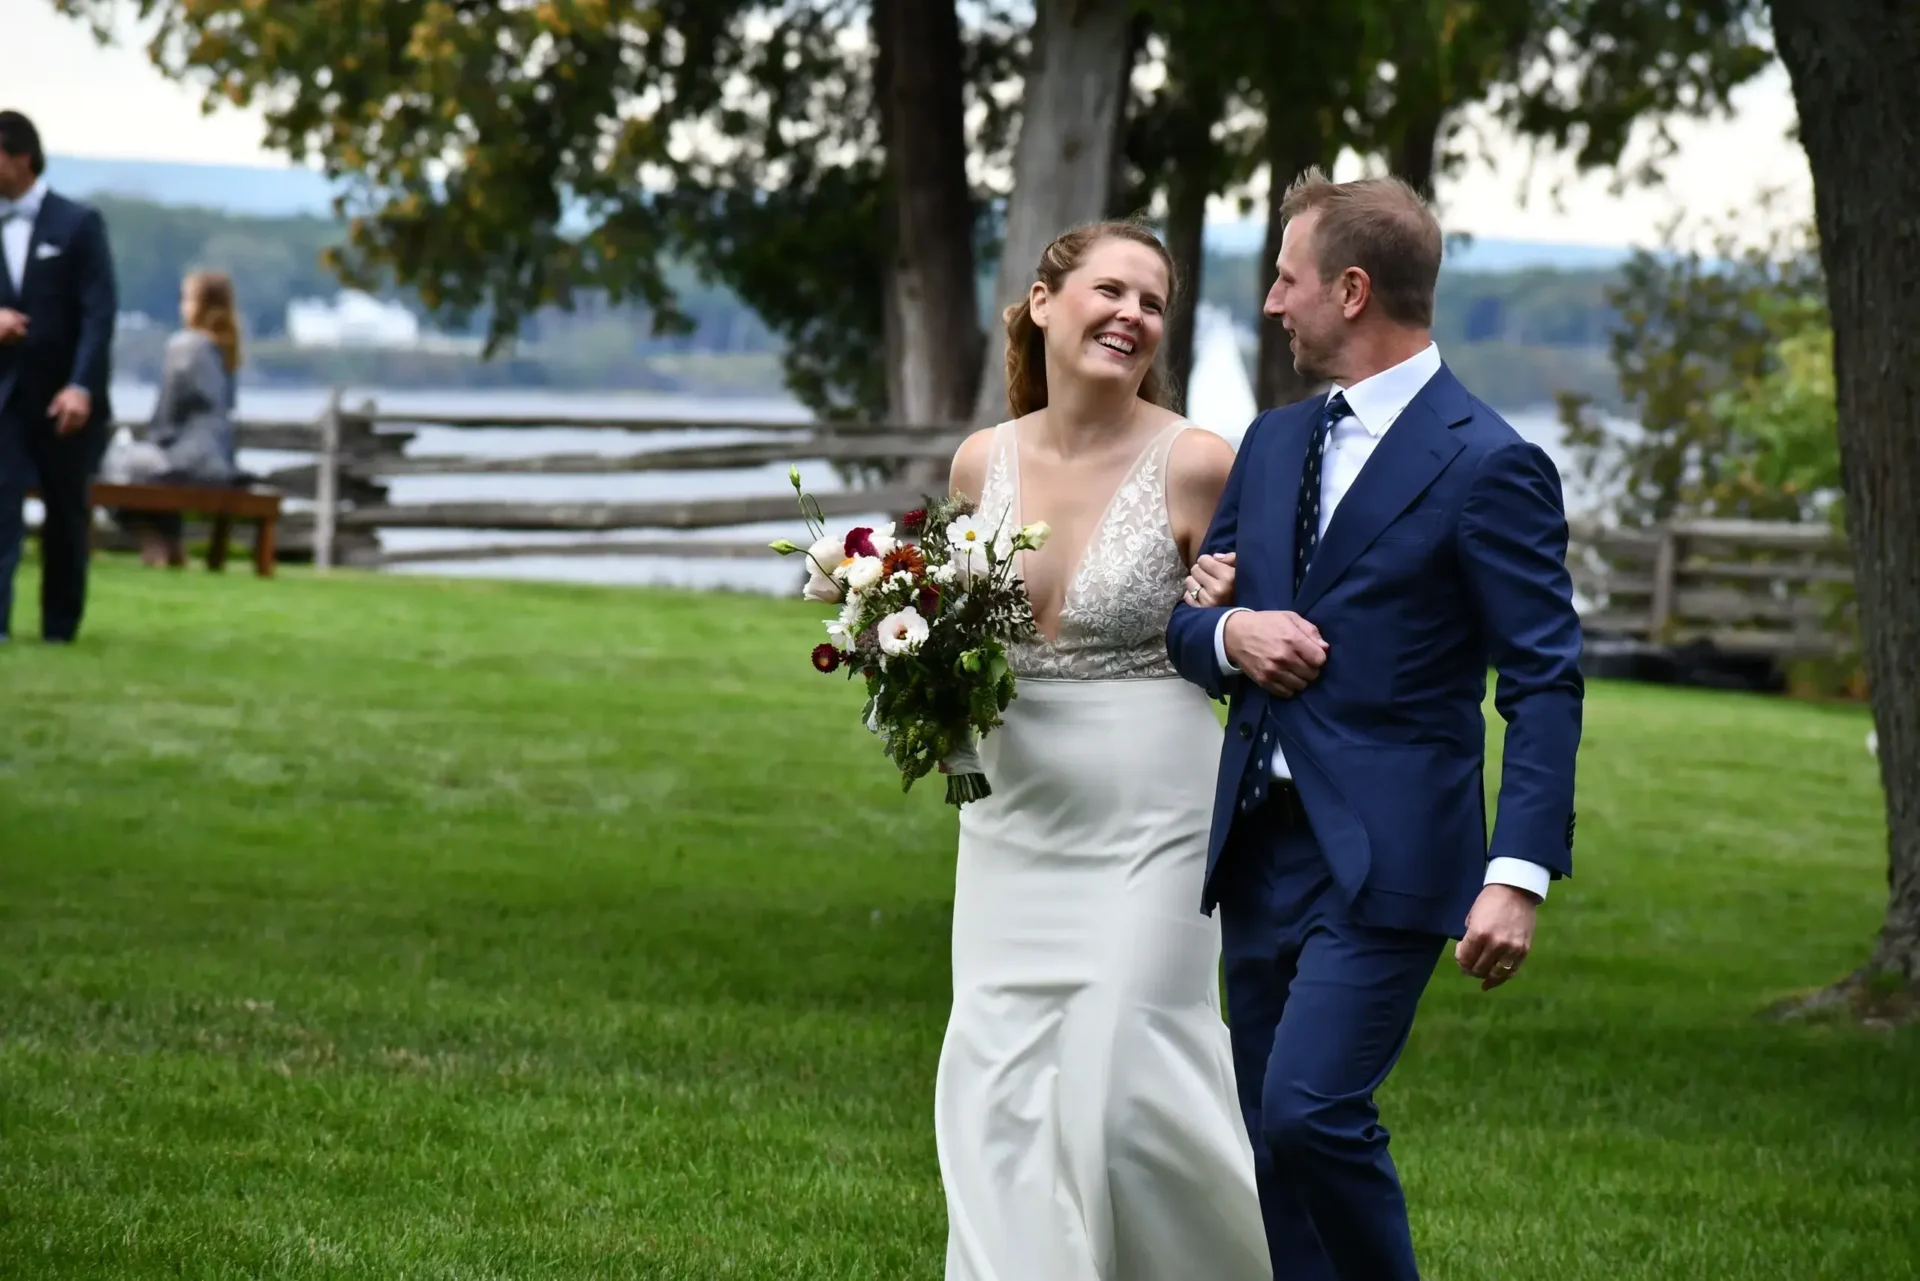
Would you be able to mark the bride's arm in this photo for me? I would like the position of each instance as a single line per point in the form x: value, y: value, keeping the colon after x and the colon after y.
x: 969, y: 472
x: 1197, y: 471
x: 1203, y: 508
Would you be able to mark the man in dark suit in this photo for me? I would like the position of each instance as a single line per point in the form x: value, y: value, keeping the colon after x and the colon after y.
x: 57, y: 306
x: 1376, y: 550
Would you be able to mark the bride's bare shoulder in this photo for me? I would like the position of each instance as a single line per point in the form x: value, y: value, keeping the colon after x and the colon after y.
x: 969, y: 473
x: 1197, y: 467
x: 1198, y: 455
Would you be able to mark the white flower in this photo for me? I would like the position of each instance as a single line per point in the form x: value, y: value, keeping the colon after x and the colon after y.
x: 1035, y: 536
x: 883, y: 539
x: 943, y: 573
x: 963, y: 529
x: 902, y: 633
x: 967, y: 543
x: 862, y: 572
x: 840, y: 631
x: 823, y: 558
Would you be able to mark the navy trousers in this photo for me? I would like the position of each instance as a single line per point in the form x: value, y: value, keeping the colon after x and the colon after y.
x: 1320, y: 1008
x: 62, y: 466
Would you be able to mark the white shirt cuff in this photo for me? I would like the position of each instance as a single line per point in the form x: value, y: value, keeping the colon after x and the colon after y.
x: 1220, y: 642
x: 1520, y: 874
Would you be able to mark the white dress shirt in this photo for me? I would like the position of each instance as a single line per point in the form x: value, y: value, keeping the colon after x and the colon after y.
x: 16, y: 230
x: 1375, y: 403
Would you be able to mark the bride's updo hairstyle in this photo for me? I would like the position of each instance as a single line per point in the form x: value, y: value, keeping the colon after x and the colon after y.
x: 1027, y: 342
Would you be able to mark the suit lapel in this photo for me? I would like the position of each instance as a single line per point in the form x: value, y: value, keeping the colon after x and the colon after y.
x: 1415, y: 449
x: 41, y: 223
x: 8, y: 294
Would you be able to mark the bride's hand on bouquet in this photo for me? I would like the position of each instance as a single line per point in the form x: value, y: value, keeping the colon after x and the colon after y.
x: 1210, y: 584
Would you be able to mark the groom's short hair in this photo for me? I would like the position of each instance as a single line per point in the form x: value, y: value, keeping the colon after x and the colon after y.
x: 18, y: 137
x: 1383, y: 227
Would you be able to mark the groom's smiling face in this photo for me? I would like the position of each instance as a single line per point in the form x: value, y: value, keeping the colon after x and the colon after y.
x: 1309, y: 307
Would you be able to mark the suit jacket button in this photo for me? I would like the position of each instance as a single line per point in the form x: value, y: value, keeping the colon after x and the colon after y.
x: 1246, y: 730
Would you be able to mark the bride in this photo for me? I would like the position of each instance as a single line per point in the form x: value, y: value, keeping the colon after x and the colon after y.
x: 1086, y: 1118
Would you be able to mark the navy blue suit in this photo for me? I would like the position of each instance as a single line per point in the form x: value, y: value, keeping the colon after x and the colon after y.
x: 1446, y: 557
x: 69, y: 298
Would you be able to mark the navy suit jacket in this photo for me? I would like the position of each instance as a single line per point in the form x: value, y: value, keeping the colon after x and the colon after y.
x: 1446, y: 557
x: 70, y: 301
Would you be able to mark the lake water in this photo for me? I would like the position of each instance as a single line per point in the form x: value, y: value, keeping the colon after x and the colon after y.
x: 773, y: 574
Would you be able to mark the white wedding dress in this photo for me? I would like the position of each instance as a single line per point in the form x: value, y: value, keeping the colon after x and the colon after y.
x: 1086, y: 1118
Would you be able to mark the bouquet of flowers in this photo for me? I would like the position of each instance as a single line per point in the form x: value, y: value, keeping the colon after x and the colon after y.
x: 925, y: 617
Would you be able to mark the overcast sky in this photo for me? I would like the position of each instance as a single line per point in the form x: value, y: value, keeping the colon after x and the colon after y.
x: 110, y: 103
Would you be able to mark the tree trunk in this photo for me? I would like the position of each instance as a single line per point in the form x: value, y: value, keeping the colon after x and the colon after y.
x: 1190, y: 184
x: 1296, y: 140
x: 1416, y: 152
x: 1186, y: 231
x: 934, y: 343
x: 1063, y: 163
x: 1853, y: 72
x: 1120, y: 188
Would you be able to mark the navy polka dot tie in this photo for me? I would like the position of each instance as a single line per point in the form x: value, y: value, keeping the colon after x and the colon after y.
x: 1306, y: 533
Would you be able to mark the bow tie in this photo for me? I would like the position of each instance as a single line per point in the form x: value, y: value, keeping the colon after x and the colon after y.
x: 11, y: 209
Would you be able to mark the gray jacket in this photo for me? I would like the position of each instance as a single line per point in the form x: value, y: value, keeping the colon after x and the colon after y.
x: 193, y: 417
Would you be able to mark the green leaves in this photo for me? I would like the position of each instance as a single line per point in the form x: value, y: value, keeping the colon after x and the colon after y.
x: 1700, y: 327
x: 492, y: 155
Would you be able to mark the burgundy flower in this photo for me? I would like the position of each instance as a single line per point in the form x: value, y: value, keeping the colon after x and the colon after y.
x: 826, y: 658
x: 860, y: 541
x: 927, y: 600
x: 914, y: 521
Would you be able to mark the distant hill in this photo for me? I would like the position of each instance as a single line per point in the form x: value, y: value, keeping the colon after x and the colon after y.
x: 259, y: 191
x: 252, y: 190
x: 1524, y: 331
x: 1248, y: 236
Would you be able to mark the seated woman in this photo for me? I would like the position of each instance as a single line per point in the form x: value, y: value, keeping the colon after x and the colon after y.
x: 190, y: 439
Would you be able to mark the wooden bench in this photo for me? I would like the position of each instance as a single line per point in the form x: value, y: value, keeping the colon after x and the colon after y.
x: 222, y: 504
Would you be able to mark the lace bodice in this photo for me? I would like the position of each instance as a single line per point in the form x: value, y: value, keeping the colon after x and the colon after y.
x: 1113, y: 619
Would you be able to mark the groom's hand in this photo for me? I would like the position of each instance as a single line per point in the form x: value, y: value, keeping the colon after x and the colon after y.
x: 1277, y: 649
x: 1499, y: 935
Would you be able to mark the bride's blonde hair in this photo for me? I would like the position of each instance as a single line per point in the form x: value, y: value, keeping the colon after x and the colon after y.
x: 1027, y: 342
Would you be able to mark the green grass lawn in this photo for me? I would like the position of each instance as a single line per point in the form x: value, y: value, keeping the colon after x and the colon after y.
x: 396, y: 928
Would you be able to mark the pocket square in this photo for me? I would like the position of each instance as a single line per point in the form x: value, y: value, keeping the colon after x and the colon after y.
x: 47, y: 251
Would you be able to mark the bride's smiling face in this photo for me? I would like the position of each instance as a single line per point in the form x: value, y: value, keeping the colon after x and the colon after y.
x: 1105, y: 321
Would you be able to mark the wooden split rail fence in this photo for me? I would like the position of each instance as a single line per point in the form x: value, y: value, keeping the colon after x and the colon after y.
x: 1746, y: 587
x: 339, y: 497
x: 1759, y: 588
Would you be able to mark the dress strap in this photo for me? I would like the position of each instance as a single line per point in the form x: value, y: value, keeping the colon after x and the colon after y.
x: 1000, y: 492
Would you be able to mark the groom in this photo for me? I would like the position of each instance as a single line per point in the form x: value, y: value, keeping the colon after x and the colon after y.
x: 1389, y: 542
x: 56, y: 350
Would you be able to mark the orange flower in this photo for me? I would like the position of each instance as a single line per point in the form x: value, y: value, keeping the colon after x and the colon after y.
x: 905, y: 559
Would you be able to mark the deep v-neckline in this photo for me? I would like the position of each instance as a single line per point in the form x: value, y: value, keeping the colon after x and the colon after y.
x: 1099, y: 526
